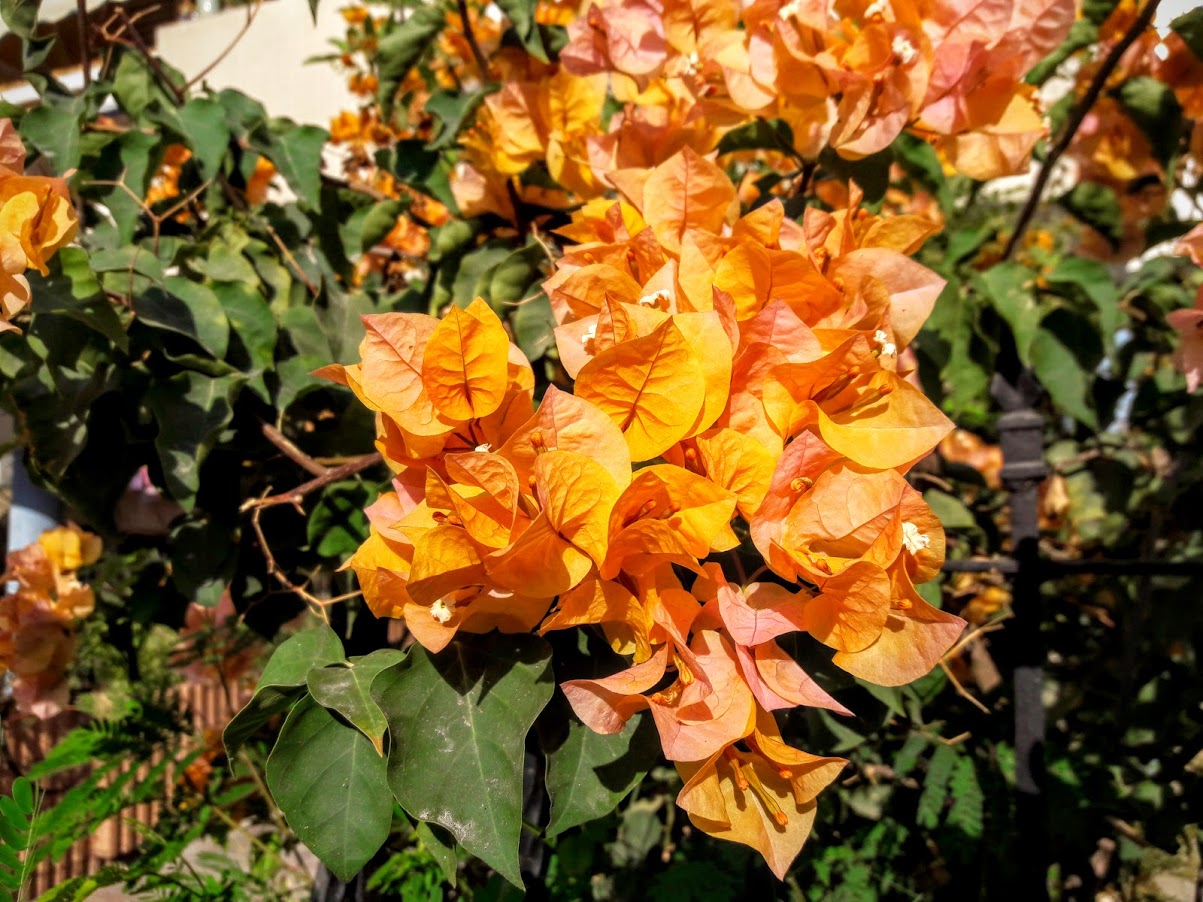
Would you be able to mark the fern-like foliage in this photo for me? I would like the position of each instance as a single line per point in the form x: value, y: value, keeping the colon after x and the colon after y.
x: 18, y: 816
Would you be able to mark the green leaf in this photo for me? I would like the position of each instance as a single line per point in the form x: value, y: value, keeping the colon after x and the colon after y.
x: 186, y: 308
x: 533, y: 323
x: 1062, y: 377
x: 282, y: 682
x: 74, y: 292
x: 1008, y: 288
x: 513, y: 277
x: 965, y: 813
x: 338, y: 525
x: 1153, y: 106
x: 347, y: 690
x: 441, y: 846
x: 127, y: 160
x: 521, y: 14
x: 131, y: 259
x: 1097, y: 206
x: 23, y: 794
x: 191, y: 410
x: 21, y: 16
x: 1189, y: 27
x: 1094, y: 281
x: 458, y: 721
x: 207, y: 133
x: 253, y: 333
x: 377, y: 221
x: 54, y: 130
x: 401, y: 48
x: 589, y: 773
x: 453, y: 109
x: 327, y: 780
x: 935, y: 787
x: 761, y: 134
x: 296, y: 150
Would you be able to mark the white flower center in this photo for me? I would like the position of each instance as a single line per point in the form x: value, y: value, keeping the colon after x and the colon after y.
x: 440, y: 612
x: 904, y: 49
x: 484, y: 448
x: 914, y: 540
x: 877, y: 8
x: 790, y: 9
x: 888, y: 348
x: 654, y: 299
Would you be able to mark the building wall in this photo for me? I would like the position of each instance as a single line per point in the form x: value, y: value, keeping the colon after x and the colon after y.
x: 268, y: 62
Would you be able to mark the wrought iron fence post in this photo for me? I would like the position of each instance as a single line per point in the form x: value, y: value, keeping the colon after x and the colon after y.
x: 1022, y: 437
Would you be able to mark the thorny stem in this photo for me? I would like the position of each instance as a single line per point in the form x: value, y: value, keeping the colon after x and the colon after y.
x: 294, y: 496
x: 1076, y: 118
x: 292, y: 452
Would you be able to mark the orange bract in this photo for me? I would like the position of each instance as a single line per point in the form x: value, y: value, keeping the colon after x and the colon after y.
x: 747, y: 367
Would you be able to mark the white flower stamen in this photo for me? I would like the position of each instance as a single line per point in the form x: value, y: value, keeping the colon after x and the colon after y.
x: 888, y: 348
x: 484, y: 448
x: 654, y: 299
x: 877, y: 8
x: 440, y: 612
x: 914, y: 540
x: 904, y: 49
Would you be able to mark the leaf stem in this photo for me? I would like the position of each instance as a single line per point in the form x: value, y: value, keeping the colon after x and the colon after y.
x: 1076, y: 118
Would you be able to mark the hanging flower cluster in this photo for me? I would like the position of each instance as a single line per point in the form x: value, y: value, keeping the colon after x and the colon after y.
x: 37, y: 640
x: 734, y: 376
x: 36, y: 219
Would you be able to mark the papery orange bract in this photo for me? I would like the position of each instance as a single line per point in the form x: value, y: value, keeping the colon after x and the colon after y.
x: 464, y: 367
x: 652, y: 387
x: 763, y: 798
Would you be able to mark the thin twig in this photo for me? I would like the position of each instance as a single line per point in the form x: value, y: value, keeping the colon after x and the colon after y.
x: 1076, y: 118
x: 135, y: 41
x: 961, y: 690
x: 292, y: 452
x: 85, y: 40
x: 470, y: 36
x: 252, y: 10
x: 294, y: 496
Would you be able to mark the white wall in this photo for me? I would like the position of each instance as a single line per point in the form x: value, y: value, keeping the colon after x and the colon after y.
x: 268, y: 63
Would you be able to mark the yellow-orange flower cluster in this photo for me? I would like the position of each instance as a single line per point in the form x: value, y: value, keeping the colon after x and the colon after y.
x: 733, y: 374
x: 846, y: 74
x: 37, y: 639
x: 36, y: 219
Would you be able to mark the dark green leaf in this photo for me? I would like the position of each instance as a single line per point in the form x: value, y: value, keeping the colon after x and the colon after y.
x: 74, y: 292
x: 187, y: 308
x: 1008, y: 288
x: 935, y: 786
x: 1095, y: 282
x: 1189, y: 27
x: 441, y: 846
x: 1062, y: 377
x: 338, y: 524
x: 459, y: 721
x: 513, y: 277
x: 401, y: 48
x: 207, y: 133
x: 521, y: 14
x: 283, y: 682
x: 533, y: 322
x: 347, y: 690
x: 54, y: 131
x: 1097, y: 206
x: 762, y: 134
x: 327, y: 780
x: 191, y: 409
x: 453, y: 109
x: 1152, y: 105
x: 376, y: 222
x: 297, y: 152
x: 589, y: 773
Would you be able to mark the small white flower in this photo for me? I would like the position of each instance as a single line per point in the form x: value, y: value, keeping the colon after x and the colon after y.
x: 877, y: 8
x: 440, y: 612
x: 590, y: 334
x: 790, y: 9
x: 484, y: 448
x: 654, y: 299
x: 888, y: 348
x: 914, y: 540
x: 904, y: 49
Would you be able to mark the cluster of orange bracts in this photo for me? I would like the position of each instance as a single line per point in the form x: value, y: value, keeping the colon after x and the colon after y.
x: 37, y: 620
x: 850, y: 75
x: 729, y: 372
x: 36, y: 219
